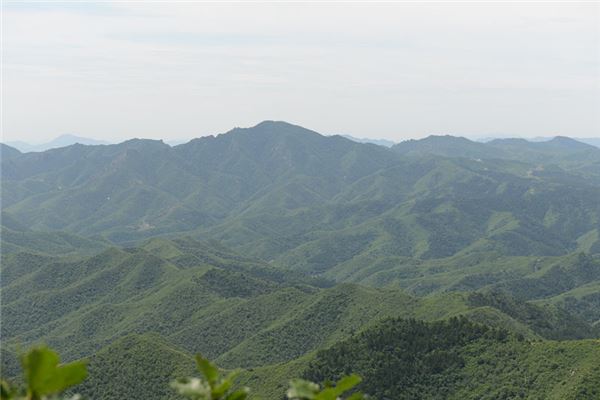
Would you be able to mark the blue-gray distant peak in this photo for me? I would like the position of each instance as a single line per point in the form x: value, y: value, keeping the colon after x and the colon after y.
x: 60, y: 141
x: 379, y: 142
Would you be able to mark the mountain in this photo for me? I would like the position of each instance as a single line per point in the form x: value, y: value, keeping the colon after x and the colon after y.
x: 188, y: 186
x: 282, y: 251
x: 558, y: 147
x: 60, y: 141
x: 282, y: 192
x: 556, y: 150
x: 379, y: 142
x: 590, y: 141
x: 447, y: 146
x: 322, y: 205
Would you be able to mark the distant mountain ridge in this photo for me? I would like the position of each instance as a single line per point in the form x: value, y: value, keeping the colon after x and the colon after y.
x: 61, y: 141
x: 380, y: 142
x: 591, y: 141
x: 67, y: 140
x: 508, y: 148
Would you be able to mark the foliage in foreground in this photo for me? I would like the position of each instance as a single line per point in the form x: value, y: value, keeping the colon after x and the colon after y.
x: 46, y: 379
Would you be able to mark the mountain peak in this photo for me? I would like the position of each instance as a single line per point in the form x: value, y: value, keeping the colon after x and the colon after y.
x: 272, y: 123
x: 274, y: 129
x: 68, y: 136
x: 140, y: 144
x: 379, y: 142
x: 443, y: 145
x: 447, y: 138
x: 279, y: 126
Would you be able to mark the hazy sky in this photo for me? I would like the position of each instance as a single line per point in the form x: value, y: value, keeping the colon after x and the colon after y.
x: 172, y: 70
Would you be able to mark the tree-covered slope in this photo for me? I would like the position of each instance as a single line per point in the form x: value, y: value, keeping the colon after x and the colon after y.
x: 262, y: 247
x: 456, y: 359
x: 135, y: 367
x: 583, y: 300
x: 202, y: 297
x: 15, y: 238
x: 281, y: 192
x: 99, y: 189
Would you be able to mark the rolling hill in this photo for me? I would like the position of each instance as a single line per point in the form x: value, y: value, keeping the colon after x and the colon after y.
x: 457, y: 359
x: 177, y: 297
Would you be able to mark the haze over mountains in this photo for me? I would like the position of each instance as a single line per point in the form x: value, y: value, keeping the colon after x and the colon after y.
x: 381, y: 142
x: 68, y: 140
x: 60, y: 141
x: 277, y: 249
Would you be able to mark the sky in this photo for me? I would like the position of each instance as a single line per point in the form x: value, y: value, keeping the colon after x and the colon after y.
x: 178, y: 70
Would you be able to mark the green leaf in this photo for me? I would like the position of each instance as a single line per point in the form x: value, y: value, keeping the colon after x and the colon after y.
x: 208, y: 369
x: 356, y: 396
x: 327, y: 394
x: 7, y: 392
x: 238, y: 394
x: 45, y: 377
x: 219, y: 390
x: 347, y: 383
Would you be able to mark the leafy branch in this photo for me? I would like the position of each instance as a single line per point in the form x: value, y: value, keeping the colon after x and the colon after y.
x: 44, y: 377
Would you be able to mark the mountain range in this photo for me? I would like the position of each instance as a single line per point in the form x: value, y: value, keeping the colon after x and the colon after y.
x: 68, y: 140
x: 380, y: 142
x: 276, y: 249
x: 278, y: 190
x: 60, y: 141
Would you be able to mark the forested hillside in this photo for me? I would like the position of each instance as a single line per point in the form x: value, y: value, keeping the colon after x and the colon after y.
x: 457, y: 359
x: 438, y: 268
x: 282, y: 192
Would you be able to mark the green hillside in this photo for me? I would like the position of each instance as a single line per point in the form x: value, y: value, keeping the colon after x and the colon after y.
x: 456, y: 359
x: 182, y: 296
x: 280, y: 251
x: 281, y: 192
x: 136, y: 366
